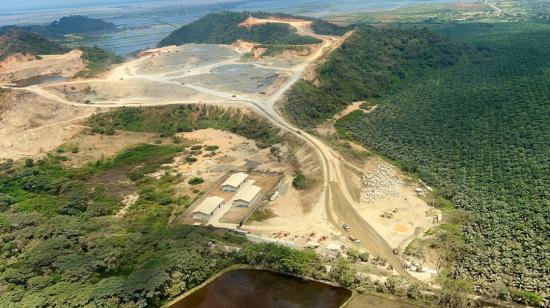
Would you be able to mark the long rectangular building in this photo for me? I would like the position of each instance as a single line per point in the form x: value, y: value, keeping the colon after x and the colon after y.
x: 247, y: 196
x: 234, y: 182
x: 207, y: 208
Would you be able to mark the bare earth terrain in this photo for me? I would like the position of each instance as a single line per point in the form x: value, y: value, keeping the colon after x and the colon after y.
x: 36, y: 119
x: 19, y: 66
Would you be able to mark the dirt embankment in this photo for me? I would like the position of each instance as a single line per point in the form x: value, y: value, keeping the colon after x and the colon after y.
x: 30, y: 126
x: 18, y: 67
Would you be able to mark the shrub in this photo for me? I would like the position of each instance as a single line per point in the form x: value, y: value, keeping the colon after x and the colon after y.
x: 212, y: 148
x: 190, y: 159
x: 300, y: 180
x: 196, y: 181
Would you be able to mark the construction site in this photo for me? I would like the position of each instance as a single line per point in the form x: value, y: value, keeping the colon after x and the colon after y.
x: 387, y: 213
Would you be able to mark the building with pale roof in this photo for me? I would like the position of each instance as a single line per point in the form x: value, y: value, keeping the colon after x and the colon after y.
x: 247, y: 196
x: 207, y: 208
x: 234, y: 182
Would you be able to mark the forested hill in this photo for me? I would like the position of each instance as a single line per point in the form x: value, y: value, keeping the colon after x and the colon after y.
x: 78, y: 24
x: 223, y: 28
x: 480, y: 131
x: 27, y: 43
x: 369, y: 63
x: 74, y: 24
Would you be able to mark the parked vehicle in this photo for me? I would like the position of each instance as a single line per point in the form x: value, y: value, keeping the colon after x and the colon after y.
x: 355, y: 240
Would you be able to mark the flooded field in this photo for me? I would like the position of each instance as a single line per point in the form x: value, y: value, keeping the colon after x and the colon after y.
x: 257, y: 288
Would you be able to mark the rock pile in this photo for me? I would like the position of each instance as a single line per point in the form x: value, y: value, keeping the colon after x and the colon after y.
x: 378, y: 184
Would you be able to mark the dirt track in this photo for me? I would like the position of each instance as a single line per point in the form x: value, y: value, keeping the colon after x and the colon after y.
x: 336, y: 198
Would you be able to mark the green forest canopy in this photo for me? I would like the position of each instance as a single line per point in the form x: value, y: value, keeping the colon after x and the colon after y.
x: 479, y: 130
x: 27, y: 42
x: 223, y: 28
x: 367, y: 64
x: 74, y: 24
x: 62, y: 245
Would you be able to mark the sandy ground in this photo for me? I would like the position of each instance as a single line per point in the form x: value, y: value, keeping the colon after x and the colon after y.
x: 391, y: 205
x: 22, y: 67
x: 31, y: 126
x: 93, y: 147
x: 235, y: 153
x: 98, y: 92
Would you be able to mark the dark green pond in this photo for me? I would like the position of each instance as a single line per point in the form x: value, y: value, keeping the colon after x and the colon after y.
x: 265, y: 289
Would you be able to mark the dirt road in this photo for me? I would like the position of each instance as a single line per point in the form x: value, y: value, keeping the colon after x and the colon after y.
x: 336, y: 200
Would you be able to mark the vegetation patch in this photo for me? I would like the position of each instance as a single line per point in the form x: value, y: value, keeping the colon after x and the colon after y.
x: 479, y: 131
x: 223, y: 28
x: 97, y: 61
x: 169, y: 120
x: 370, y: 62
x: 196, y: 181
x: 24, y: 42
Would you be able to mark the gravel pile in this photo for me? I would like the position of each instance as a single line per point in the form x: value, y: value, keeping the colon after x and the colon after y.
x: 377, y: 184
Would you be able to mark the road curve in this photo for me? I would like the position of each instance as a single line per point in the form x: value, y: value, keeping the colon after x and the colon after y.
x: 336, y: 199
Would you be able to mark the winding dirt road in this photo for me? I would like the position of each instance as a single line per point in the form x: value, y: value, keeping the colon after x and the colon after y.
x: 337, y: 200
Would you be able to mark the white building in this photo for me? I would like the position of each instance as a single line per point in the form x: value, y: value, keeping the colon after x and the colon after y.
x: 234, y: 182
x: 207, y: 208
x: 247, y: 196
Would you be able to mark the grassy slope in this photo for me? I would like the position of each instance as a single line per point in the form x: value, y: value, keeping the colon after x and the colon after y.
x: 480, y: 130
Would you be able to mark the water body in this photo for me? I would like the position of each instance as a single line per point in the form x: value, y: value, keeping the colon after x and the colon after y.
x: 372, y: 301
x: 142, y: 25
x: 41, y: 79
x: 257, y: 288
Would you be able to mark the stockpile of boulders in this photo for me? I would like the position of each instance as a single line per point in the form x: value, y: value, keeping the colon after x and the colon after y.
x: 377, y: 184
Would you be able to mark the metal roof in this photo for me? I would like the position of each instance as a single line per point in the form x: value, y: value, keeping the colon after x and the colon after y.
x: 208, y: 205
x: 248, y: 193
x: 235, y: 179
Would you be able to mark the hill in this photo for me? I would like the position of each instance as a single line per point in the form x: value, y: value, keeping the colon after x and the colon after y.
x: 27, y: 43
x: 369, y: 63
x: 74, y: 24
x: 479, y: 131
x: 223, y: 28
x: 78, y: 24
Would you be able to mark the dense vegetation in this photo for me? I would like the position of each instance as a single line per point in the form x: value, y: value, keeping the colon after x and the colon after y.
x: 169, y: 120
x: 97, y: 60
x: 223, y: 28
x: 367, y: 64
x: 324, y: 27
x: 78, y: 24
x: 27, y: 42
x: 75, y: 24
x: 61, y: 244
x: 480, y: 131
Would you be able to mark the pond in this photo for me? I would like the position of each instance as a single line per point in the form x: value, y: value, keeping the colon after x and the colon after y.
x: 266, y: 289
x: 40, y: 79
x: 373, y: 301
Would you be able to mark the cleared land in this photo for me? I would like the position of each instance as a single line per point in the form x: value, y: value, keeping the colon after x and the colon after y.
x: 153, y: 78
